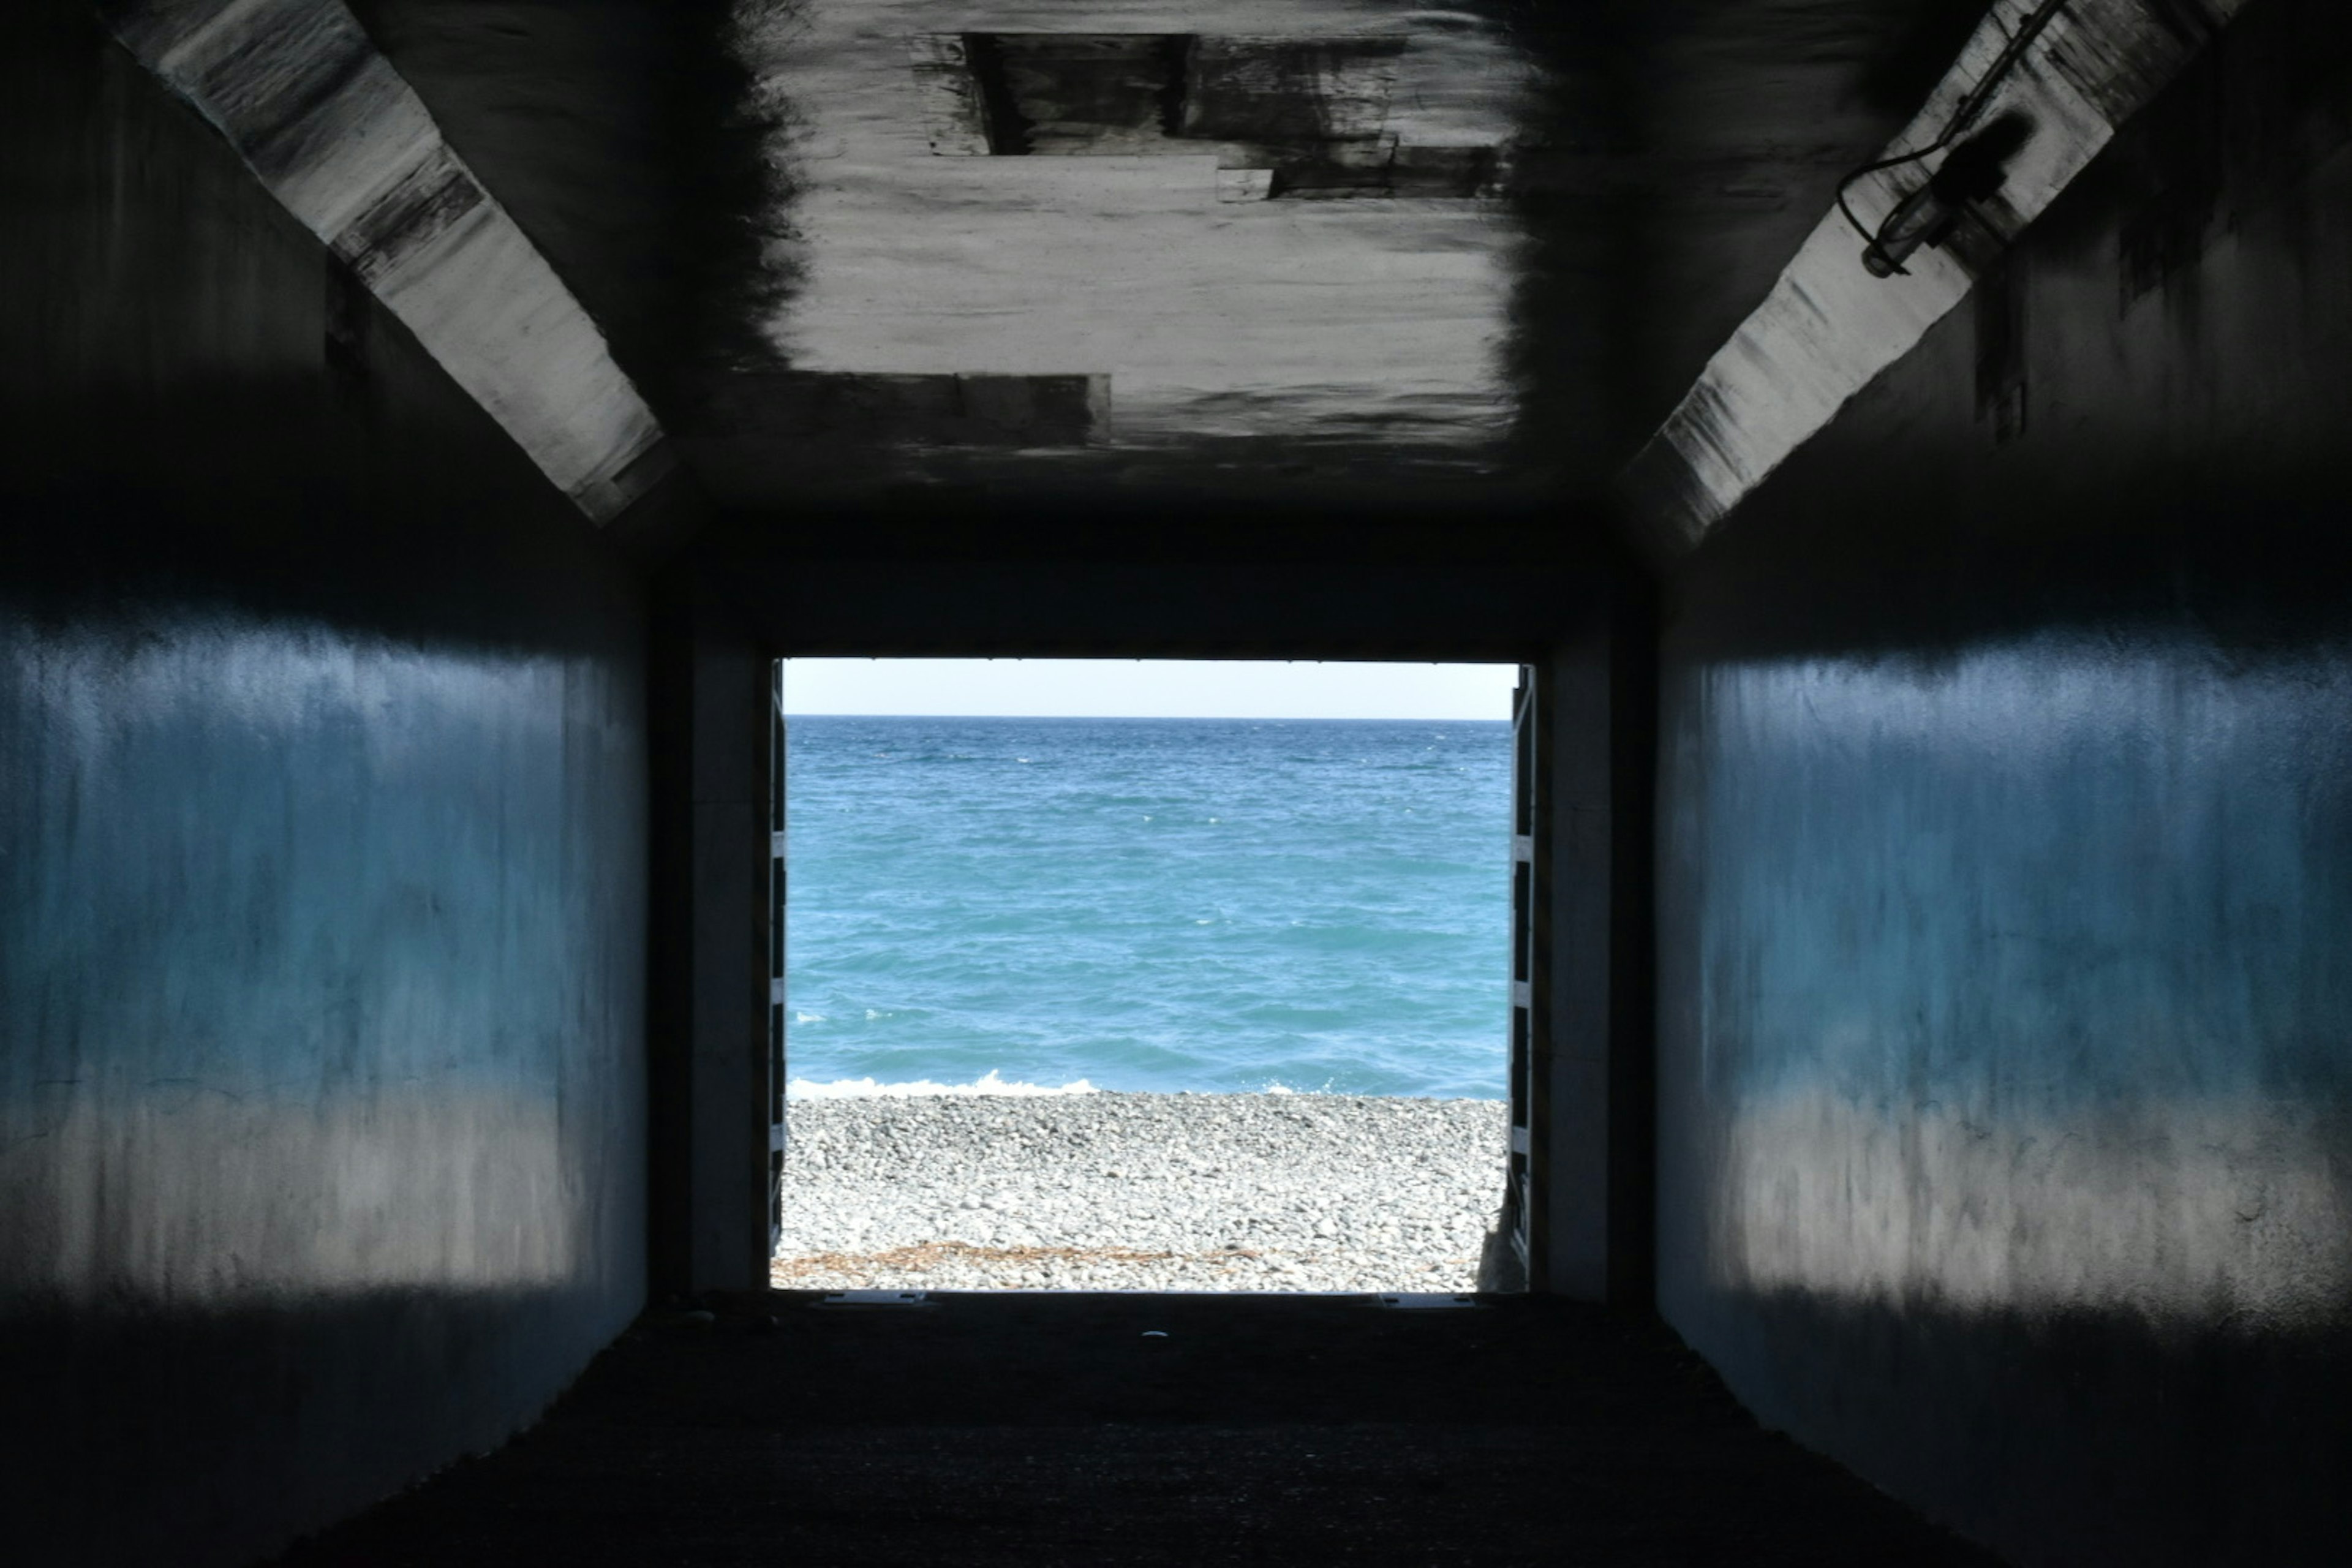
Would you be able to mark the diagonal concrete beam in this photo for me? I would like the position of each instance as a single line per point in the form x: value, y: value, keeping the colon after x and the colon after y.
x: 326, y: 124
x: 1829, y: 327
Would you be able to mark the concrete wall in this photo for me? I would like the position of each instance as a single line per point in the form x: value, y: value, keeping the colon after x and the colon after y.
x: 2005, y: 837
x: 323, y: 865
x: 710, y: 1046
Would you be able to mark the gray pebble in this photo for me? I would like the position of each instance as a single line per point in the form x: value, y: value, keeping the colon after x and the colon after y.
x: 1140, y: 1191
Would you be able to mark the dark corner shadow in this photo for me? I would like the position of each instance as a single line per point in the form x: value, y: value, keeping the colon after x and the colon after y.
x: 130, y: 1393
x: 2075, y: 1434
x: 1928, y: 565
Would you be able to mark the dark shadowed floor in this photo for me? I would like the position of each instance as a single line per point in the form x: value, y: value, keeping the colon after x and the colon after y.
x: 1060, y: 1429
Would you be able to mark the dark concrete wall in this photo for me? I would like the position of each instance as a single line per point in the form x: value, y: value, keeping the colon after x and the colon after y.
x: 1594, y: 1111
x: 2005, y: 839
x: 711, y: 1084
x: 323, y: 865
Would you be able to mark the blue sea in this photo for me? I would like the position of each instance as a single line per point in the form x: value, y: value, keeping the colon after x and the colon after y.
x: 1148, y: 904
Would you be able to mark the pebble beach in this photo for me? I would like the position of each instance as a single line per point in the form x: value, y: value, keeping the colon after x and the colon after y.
x: 1106, y: 1191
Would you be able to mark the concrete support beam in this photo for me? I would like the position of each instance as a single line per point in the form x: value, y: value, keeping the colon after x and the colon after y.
x: 1595, y: 1142
x: 711, y: 934
x: 333, y: 133
x: 1828, y: 327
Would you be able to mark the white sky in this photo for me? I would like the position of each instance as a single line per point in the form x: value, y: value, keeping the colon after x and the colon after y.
x: 1147, y: 688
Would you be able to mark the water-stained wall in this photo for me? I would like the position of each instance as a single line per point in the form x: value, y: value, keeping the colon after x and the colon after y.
x: 2005, y: 837
x: 321, y: 864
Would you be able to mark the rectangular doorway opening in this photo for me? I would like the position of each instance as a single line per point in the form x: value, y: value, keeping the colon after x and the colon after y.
x: 1149, y: 975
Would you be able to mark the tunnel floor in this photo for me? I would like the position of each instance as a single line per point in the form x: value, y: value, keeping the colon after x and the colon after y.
x: 1131, y: 1429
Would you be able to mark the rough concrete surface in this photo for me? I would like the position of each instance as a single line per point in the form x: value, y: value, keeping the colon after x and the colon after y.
x: 1138, y: 1429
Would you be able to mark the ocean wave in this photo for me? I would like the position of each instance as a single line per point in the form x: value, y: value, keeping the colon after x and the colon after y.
x: 1357, y: 913
x: 868, y: 1089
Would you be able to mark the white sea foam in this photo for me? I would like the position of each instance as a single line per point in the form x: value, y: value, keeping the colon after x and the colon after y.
x: 868, y: 1089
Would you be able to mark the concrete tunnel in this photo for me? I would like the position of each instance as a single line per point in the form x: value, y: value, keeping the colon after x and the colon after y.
x: 427, y: 422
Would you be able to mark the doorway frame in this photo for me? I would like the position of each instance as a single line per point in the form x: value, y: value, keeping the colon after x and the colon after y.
x: 715, y: 1050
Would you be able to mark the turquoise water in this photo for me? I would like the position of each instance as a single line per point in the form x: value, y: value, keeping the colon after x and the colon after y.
x: 1150, y: 904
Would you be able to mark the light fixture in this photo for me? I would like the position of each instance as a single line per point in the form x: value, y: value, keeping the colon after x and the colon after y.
x: 1927, y: 216
x: 1919, y: 219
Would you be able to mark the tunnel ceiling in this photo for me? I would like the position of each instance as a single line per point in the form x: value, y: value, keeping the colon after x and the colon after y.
x: 1268, y: 250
